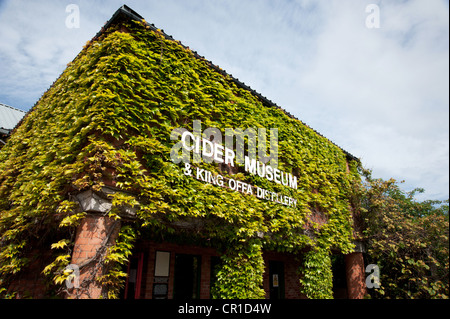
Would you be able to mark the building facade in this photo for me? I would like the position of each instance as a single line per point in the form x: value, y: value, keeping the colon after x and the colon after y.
x: 146, y: 171
x: 9, y: 118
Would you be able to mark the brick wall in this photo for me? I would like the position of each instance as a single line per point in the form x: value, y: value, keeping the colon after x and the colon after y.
x: 291, y: 274
x: 150, y: 248
x: 355, y: 273
x: 291, y: 265
x: 31, y: 283
x: 94, y: 235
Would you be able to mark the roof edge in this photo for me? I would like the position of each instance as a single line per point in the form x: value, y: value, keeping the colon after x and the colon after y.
x: 126, y: 13
x: 11, y: 107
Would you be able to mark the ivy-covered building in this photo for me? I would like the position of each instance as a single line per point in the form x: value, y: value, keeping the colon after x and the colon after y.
x: 96, y: 199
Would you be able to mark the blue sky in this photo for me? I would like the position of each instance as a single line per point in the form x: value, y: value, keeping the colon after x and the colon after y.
x: 380, y: 93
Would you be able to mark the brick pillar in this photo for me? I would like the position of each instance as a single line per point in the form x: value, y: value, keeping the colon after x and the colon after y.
x: 95, y: 235
x: 355, y: 273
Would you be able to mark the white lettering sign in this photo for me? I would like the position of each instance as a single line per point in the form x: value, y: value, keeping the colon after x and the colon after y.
x: 206, y: 176
x: 198, y: 146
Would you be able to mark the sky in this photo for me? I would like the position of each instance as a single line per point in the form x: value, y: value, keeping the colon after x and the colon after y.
x: 371, y: 76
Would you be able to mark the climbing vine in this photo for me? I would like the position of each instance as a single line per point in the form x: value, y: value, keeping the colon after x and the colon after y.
x: 108, y: 119
x: 115, y: 260
x: 241, y: 273
x: 316, y: 274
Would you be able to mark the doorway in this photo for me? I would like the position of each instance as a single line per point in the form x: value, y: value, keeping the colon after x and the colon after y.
x: 276, y: 279
x: 187, y: 277
x: 134, y: 278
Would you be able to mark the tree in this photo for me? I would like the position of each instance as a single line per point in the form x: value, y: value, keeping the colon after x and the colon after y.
x: 406, y: 239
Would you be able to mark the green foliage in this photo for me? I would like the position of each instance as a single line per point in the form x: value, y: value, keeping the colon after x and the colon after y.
x: 57, y: 267
x: 116, y: 259
x: 316, y: 274
x: 108, y: 119
x: 407, y: 239
x: 241, y: 273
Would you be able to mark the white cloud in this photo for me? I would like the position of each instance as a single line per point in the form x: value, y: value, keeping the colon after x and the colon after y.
x: 381, y: 94
x: 36, y: 46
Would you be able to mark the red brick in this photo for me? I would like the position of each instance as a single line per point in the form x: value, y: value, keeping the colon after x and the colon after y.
x: 91, y: 235
x: 355, y: 273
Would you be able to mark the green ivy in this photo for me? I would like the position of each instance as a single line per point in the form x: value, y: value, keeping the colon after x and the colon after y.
x: 116, y: 259
x: 108, y: 118
x: 241, y: 273
x: 316, y: 274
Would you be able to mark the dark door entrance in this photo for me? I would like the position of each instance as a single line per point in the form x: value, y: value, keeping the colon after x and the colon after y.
x: 133, y: 283
x: 339, y: 277
x: 276, y: 279
x: 187, y: 277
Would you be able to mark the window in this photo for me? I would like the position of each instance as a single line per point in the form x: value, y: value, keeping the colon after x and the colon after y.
x: 161, y: 278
